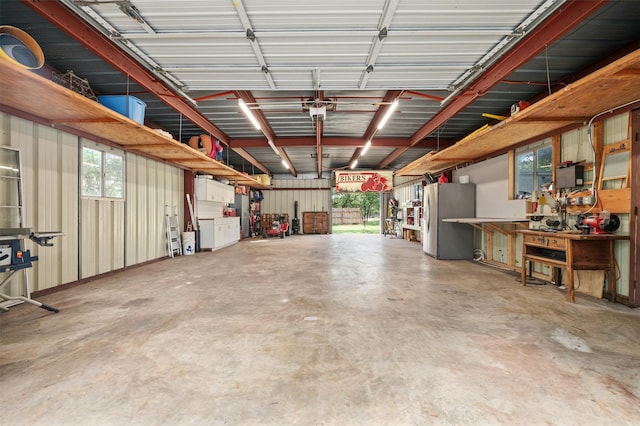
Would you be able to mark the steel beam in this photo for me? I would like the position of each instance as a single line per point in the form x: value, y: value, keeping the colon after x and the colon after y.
x: 319, y: 131
x: 97, y: 43
x: 244, y: 154
x: 336, y: 141
x: 265, y: 127
x: 286, y: 159
x: 554, y: 27
x: 389, y: 97
x: 391, y: 157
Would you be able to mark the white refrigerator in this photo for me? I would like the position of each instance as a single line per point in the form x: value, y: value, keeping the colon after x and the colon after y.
x: 448, y: 240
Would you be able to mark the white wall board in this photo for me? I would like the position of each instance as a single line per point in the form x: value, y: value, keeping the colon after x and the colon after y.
x: 491, y: 178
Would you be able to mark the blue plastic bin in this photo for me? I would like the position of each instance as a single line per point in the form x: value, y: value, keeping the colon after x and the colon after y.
x: 129, y: 106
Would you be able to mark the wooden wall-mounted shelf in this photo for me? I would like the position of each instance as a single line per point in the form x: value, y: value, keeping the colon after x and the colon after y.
x: 30, y: 93
x: 612, y: 85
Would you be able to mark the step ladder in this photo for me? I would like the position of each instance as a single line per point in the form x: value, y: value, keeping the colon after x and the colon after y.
x: 174, y: 242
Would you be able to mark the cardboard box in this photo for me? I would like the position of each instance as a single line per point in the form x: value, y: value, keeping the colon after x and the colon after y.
x: 263, y: 179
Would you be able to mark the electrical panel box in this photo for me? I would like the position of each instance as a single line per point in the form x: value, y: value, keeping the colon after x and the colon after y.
x: 569, y: 177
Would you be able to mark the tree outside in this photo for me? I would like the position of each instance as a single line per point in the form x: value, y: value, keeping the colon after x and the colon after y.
x: 369, y: 205
x: 367, y: 202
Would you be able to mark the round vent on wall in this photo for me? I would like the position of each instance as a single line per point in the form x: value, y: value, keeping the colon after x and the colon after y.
x: 20, y: 48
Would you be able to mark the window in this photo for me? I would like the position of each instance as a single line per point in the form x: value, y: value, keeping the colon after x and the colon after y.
x: 533, y: 169
x: 102, y: 174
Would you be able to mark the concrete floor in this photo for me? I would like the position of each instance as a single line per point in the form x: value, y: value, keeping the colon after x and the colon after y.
x: 318, y: 330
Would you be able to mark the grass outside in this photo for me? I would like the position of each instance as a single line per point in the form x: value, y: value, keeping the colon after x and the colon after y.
x: 371, y: 227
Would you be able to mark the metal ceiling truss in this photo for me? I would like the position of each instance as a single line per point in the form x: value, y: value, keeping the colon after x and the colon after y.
x: 340, y: 142
x: 266, y: 130
x: 563, y: 20
x: 388, y: 11
x: 552, y: 19
x: 98, y: 43
x: 253, y: 41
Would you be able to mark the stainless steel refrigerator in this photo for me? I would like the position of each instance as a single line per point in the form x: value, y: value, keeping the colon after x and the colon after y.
x: 447, y: 240
x: 242, y: 210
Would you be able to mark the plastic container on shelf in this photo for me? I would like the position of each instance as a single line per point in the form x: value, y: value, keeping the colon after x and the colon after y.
x: 129, y: 106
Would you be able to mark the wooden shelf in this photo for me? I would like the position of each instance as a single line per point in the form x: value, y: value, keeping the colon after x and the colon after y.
x: 30, y: 93
x: 412, y: 227
x: 547, y: 260
x: 609, y: 87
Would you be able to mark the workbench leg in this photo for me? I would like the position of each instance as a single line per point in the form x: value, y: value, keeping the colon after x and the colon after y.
x: 571, y: 297
x: 611, y: 284
x: 557, y: 276
x: 523, y: 273
x: 611, y: 273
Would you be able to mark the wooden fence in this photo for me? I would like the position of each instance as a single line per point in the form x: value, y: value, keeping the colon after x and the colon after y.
x: 346, y: 216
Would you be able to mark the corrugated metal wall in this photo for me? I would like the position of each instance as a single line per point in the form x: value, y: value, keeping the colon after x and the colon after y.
x: 153, y: 189
x: 404, y: 189
x: 101, y: 230
x: 312, y: 195
x: 100, y: 235
x: 50, y: 184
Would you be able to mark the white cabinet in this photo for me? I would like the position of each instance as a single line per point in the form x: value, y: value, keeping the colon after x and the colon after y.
x: 203, y: 191
x: 207, y: 228
x: 211, y: 197
x: 218, y: 233
x: 236, y: 228
x: 211, y: 190
x: 219, y: 236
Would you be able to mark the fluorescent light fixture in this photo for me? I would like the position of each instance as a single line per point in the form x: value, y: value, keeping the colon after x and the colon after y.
x: 354, y: 163
x: 249, y: 114
x: 366, y: 147
x: 386, y: 117
x: 284, y: 163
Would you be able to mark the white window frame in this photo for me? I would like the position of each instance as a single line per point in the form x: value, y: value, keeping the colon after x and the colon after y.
x: 533, y: 150
x: 104, y: 151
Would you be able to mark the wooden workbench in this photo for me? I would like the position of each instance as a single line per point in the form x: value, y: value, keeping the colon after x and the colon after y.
x: 571, y: 250
x: 490, y: 225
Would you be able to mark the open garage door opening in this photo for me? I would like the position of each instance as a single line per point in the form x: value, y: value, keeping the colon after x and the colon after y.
x: 357, y: 201
x: 355, y: 213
